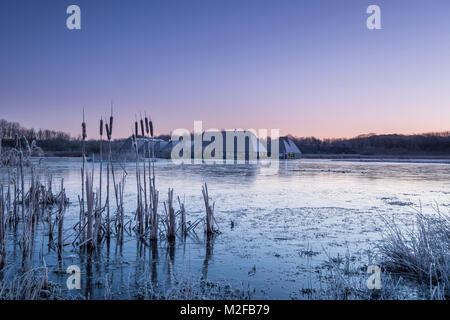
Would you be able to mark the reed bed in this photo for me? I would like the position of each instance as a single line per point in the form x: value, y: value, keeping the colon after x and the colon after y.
x: 93, y: 227
x: 24, y: 205
x: 29, y: 199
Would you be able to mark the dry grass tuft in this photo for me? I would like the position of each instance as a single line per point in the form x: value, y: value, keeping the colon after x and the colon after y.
x: 420, y: 252
x: 30, y: 285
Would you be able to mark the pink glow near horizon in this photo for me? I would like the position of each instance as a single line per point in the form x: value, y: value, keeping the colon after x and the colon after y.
x: 307, y: 69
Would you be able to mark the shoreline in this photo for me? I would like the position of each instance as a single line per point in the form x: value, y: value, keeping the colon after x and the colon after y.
x: 379, y: 158
x: 349, y: 157
x: 338, y: 158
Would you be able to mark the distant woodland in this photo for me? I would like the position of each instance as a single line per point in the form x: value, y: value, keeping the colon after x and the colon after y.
x: 50, y: 141
x: 427, y: 144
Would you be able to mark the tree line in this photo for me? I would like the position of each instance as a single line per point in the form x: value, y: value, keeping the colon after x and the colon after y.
x: 432, y: 144
x: 9, y: 130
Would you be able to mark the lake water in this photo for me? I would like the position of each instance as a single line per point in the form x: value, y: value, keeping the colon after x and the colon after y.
x: 321, y: 206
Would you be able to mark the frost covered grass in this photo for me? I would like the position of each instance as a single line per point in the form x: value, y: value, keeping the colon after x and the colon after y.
x: 30, y: 285
x: 345, y: 277
x: 186, y: 287
x: 420, y: 251
x: 413, y: 258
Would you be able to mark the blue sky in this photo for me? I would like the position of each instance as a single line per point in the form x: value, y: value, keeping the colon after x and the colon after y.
x: 306, y: 67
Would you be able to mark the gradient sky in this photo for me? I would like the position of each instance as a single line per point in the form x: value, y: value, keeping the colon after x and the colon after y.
x: 307, y: 67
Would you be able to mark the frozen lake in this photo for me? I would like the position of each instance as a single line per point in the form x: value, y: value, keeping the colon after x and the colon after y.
x: 268, y: 222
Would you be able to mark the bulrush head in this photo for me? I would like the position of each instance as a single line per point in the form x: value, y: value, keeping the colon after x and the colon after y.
x: 83, y: 128
x: 142, y: 127
x: 147, y: 129
x: 151, y: 127
x: 111, y: 120
x: 108, y: 131
x: 134, y: 137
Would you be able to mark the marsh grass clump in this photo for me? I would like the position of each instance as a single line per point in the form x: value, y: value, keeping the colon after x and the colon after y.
x: 420, y: 251
x: 29, y: 285
x: 42, y: 193
x: 344, y: 277
x: 11, y: 156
